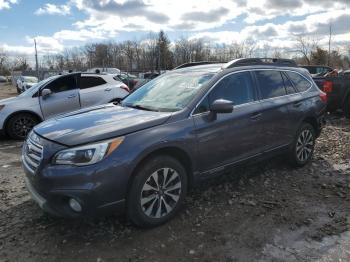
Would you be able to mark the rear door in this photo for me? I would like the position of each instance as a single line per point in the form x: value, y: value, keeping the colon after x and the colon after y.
x: 278, y: 124
x: 94, y: 90
x: 226, y: 138
x: 64, y: 97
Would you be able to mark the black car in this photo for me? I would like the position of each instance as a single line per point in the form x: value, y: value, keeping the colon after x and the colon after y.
x: 187, y: 125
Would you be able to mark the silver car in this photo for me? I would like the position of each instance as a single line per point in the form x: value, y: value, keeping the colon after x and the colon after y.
x: 25, y: 82
x: 57, y: 95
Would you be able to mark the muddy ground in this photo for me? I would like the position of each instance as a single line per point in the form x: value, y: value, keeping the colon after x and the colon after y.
x: 264, y: 212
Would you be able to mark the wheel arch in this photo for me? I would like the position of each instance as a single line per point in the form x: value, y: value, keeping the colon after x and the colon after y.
x: 179, y: 154
x: 313, y: 121
x: 21, y: 112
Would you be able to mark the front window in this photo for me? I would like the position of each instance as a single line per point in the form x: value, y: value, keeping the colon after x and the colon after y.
x: 31, y: 91
x: 168, y: 93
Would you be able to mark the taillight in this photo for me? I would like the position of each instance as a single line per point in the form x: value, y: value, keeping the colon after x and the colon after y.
x: 125, y: 87
x: 327, y: 86
x: 323, y: 97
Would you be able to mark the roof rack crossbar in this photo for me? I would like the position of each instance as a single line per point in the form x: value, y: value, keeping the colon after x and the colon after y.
x: 260, y: 61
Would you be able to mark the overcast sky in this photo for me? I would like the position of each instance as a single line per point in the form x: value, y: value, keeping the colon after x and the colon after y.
x: 67, y: 23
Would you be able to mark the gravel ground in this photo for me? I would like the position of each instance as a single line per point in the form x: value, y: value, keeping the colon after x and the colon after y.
x: 264, y: 212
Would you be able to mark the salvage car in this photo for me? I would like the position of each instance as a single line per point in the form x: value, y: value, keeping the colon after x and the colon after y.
x: 25, y: 82
x: 140, y: 157
x: 336, y: 86
x: 57, y: 95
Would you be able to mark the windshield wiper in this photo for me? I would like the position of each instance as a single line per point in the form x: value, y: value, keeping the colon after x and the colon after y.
x: 142, y: 108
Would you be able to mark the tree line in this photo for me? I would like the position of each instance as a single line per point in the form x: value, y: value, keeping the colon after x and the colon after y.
x: 155, y: 52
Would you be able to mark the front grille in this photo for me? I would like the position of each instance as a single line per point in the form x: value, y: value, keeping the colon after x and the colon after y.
x: 32, y: 155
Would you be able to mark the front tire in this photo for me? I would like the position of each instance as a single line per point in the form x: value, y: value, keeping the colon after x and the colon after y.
x: 303, y: 145
x: 20, y: 125
x: 157, y: 191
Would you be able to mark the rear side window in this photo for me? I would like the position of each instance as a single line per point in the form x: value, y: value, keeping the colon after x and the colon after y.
x: 271, y: 84
x: 299, y: 81
x: 89, y: 81
x: 62, y: 84
x: 237, y: 88
x: 288, y: 85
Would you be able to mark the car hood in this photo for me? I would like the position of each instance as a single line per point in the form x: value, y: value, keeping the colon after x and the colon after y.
x: 11, y: 100
x: 98, y: 123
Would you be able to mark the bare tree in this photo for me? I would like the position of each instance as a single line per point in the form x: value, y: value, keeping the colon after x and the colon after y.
x: 305, y: 46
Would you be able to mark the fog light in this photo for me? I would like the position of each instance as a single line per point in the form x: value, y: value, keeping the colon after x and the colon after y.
x: 74, y: 204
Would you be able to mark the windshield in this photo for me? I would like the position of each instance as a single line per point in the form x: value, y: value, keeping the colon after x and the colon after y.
x: 31, y: 91
x: 168, y: 93
x: 30, y: 79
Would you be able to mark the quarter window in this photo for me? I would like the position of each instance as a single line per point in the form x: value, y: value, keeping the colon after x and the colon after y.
x: 89, y: 81
x: 237, y: 88
x: 299, y: 81
x: 288, y: 85
x: 271, y: 84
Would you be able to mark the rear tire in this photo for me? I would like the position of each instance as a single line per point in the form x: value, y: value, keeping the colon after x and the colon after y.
x: 157, y: 191
x: 303, y: 145
x: 19, y: 126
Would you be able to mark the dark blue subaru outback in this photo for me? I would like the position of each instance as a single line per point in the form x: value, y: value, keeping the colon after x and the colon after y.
x: 142, y: 155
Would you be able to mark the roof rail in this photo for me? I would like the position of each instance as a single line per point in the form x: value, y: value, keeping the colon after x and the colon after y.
x: 260, y: 61
x: 196, y: 64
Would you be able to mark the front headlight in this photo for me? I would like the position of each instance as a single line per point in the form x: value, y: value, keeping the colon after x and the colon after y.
x: 88, y: 154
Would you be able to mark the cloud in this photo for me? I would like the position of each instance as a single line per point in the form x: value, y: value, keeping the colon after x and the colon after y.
x: 6, y: 4
x: 210, y: 16
x: 52, y: 9
x: 130, y: 8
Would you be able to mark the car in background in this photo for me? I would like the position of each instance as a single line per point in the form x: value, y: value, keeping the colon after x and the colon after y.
x: 146, y: 77
x: 317, y: 70
x: 57, y: 95
x: 3, y: 79
x: 25, y: 82
x: 106, y: 70
x: 346, y: 73
x: 335, y: 84
x: 129, y: 79
x: 143, y: 155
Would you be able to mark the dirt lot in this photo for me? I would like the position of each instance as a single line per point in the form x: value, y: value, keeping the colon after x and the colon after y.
x: 265, y: 212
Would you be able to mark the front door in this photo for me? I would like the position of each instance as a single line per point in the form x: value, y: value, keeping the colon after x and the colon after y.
x: 64, y: 96
x: 223, y: 139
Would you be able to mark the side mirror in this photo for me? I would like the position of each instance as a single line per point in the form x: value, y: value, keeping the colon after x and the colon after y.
x: 221, y: 106
x: 46, y: 92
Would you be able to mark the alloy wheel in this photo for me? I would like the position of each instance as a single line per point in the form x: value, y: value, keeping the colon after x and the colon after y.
x: 22, y: 126
x: 160, y: 193
x: 304, y: 145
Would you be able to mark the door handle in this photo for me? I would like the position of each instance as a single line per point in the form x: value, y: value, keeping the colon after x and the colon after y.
x: 297, y: 104
x: 108, y: 89
x: 72, y: 96
x: 255, y: 116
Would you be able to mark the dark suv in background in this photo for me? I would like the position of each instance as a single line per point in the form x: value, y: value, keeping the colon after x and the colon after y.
x: 189, y: 124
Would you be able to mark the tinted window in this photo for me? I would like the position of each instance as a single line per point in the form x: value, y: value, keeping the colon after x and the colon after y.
x: 90, y: 81
x: 271, y: 84
x: 62, y: 84
x: 299, y: 81
x: 237, y: 88
x: 288, y: 85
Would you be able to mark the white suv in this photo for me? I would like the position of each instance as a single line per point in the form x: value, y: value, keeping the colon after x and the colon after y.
x: 57, y: 95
